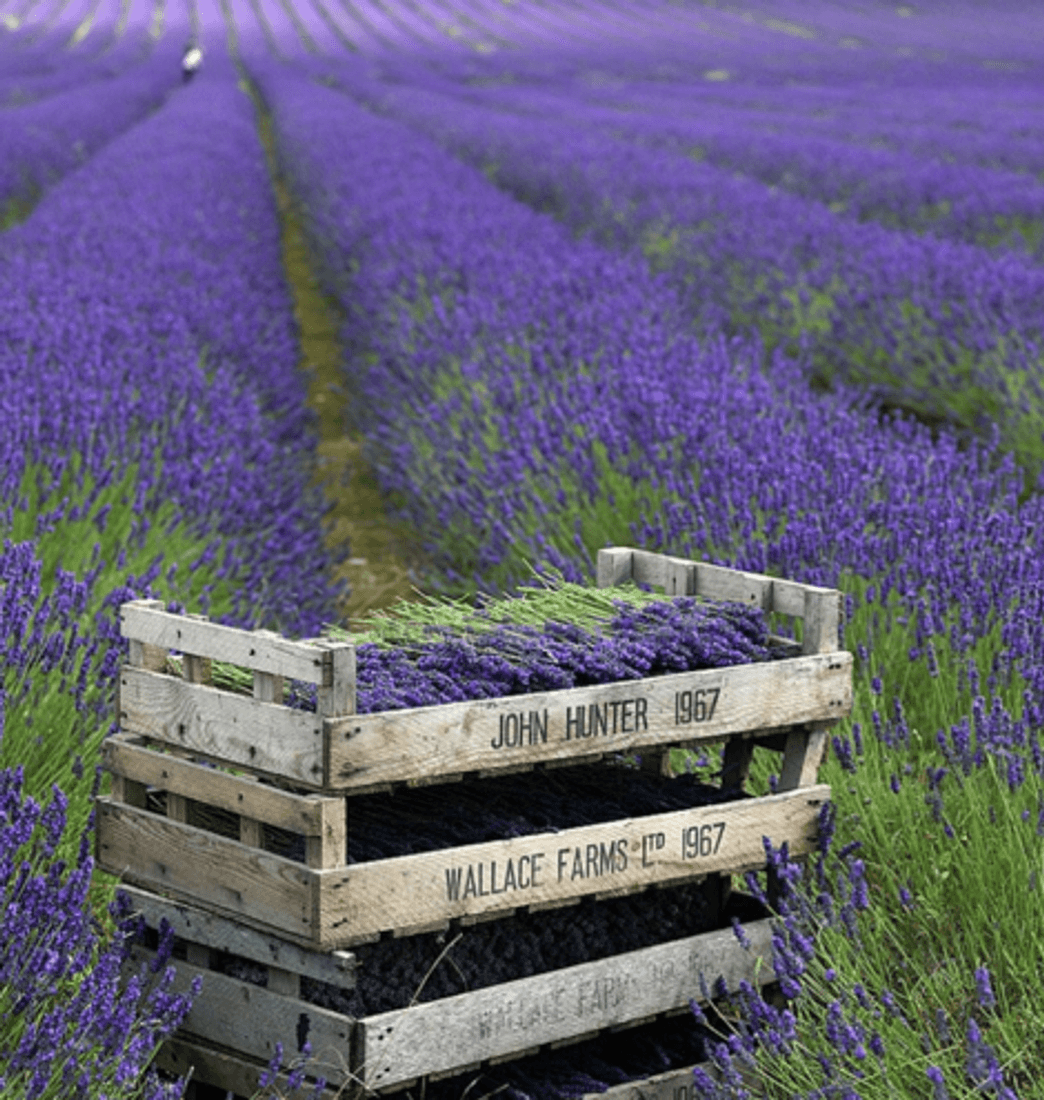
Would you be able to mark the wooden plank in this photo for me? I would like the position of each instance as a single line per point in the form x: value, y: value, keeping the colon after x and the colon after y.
x: 339, y: 696
x: 284, y: 982
x: 788, y: 597
x: 614, y: 566
x: 267, y: 738
x: 160, y: 854
x: 268, y: 688
x: 673, y: 1084
x: 226, y: 1070
x: 802, y: 757
x: 339, y: 907
x: 143, y: 621
x: 438, y: 1035
x: 411, y: 891
x: 676, y: 576
x: 560, y: 725
x: 190, y: 922
x: 309, y: 815
x: 198, y: 670
x: 251, y: 1019
x: 717, y: 582
x: 680, y: 576
x: 822, y: 628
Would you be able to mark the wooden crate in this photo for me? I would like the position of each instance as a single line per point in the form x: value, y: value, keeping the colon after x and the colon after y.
x: 327, y: 903
x: 231, y: 1031
x: 265, y: 766
x: 336, y: 750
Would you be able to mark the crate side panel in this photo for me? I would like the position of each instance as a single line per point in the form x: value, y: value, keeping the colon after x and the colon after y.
x: 160, y: 854
x: 262, y: 651
x: 237, y: 794
x: 499, y: 876
x: 440, y: 1035
x: 214, y: 1065
x: 235, y: 728
x: 486, y: 734
x: 251, y: 1019
x: 225, y: 934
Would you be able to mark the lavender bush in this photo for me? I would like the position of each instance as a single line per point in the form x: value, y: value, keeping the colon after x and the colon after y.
x: 937, y: 326
x: 45, y: 140
x: 68, y: 1026
x: 156, y: 443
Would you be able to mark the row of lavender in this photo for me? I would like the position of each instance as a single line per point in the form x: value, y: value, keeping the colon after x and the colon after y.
x: 949, y: 329
x: 567, y: 404
x: 156, y: 441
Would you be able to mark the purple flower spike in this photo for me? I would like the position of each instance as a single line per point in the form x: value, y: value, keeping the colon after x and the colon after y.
x: 984, y: 989
x: 938, y: 1085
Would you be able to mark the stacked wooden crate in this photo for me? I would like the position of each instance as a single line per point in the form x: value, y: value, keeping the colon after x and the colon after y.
x: 271, y: 768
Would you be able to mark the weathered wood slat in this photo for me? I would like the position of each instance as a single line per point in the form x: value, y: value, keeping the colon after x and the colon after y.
x: 338, y: 697
x: 553, y: 1007
x: 161, y: 854
x: 690, y: 706
x: 501, y: 875
x: 202, y: 926
x: 822, y: 620
x: 317, y: 817
x: 351, y: 904
x: 675, y: 1084
x: 682, y: 577
x: 146, y: 621
x: 251, y: 1019
x: 215, y: 1065
x: 802, y: 757
x: 222, y: 725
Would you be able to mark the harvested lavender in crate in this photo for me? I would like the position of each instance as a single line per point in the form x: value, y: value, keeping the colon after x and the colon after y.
x: 542, y: 639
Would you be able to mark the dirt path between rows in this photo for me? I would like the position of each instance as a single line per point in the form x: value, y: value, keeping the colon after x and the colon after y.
x: 379, y: 570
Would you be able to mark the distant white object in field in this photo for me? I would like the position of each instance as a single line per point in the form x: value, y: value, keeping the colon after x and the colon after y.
x: 191, y: 62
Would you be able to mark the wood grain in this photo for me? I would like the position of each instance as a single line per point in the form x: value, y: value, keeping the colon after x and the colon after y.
x: 251, y: 1019
x: 407, y: 892
x: 212, y: 871
x: 340, y: 907
x: 471, y: 736
x: 562, y: 1004
x: 266, y: 737
x: 192, y: 923
x: 260, y: 651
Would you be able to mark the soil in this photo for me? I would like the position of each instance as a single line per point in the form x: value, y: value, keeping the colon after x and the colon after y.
x: 382, y: 566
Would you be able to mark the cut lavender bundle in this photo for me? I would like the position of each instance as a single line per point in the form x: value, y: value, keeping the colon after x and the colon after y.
x: 563, y: 636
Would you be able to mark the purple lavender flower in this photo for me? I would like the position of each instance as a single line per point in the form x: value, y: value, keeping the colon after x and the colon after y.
x: 983, y: 988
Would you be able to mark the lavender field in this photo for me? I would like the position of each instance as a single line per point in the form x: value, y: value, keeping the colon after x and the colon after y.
x: 471, y: 288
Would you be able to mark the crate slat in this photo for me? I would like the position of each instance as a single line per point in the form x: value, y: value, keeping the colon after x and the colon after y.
x: 310, y: 815
x: 497, y: 1023
x: 682, y: 577
x: 251, y: 1019
x: 674, y: 1084
x: 626, y: 715
x: 265, y: 736
x: 406, y: 894
x: 146, y: 621
x: 204, y: 927
x: 802, y: 756
x: 158, y: 853
x: 545, y: 867
x: 553, y: 1007
x: 219, y: 1066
